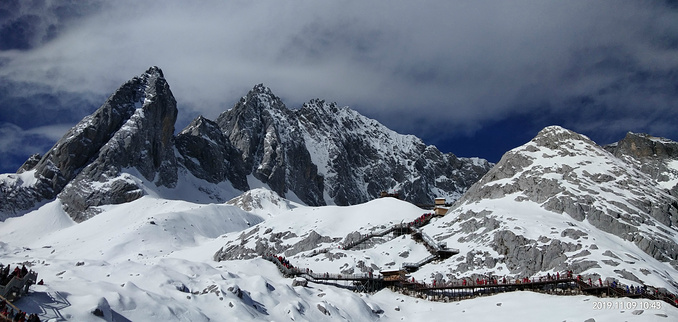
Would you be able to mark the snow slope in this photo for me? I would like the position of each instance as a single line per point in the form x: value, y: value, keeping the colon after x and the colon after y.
x: 151, y: 259
x: 297, y: 231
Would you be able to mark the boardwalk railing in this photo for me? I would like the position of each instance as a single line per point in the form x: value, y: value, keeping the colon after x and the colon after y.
x: 461, y: 289
x: 415, y: 266
x: 380, y: 233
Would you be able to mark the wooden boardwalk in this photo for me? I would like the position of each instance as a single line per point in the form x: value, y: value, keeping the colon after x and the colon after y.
x: 456, y: 290
x: 459, y: 290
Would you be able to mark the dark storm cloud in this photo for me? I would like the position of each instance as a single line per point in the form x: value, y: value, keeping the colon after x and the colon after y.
x: 452, y: 68
x: 25, y: 24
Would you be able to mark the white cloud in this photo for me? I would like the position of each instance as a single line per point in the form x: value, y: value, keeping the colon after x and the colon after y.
x: 463, y: 63
x: 16, y: 144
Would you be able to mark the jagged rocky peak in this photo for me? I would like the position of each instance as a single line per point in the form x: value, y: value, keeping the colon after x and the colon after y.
x: 316, y: 155
x: 205, y: 128
x: 250, y: 121
x: 259, y: 98
x: 329, y: 154
x: 148, y: 93
x: 264, y: 97
x: 272, y: 149
x: 30, y: 163
x: 553, y: 135
x: 134, y: 130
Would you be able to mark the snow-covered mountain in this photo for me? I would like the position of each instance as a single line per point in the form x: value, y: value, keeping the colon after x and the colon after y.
x: 126, y: 221
x: 563, y: 202
x: 319, y: 154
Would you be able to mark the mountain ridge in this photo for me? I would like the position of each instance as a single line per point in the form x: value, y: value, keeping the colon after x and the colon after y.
x: 318, y: 154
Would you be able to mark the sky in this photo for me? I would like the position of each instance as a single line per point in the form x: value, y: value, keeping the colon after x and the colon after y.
x: 474, y: 78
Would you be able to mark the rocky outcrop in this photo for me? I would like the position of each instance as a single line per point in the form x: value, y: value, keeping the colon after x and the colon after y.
x: 269, y: 242
x: 30, y: 164
x: 652, y: 155
x: 527, y: 257
x: 644, y: 146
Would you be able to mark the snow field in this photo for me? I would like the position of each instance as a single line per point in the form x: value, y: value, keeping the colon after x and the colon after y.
x: 151, y: 259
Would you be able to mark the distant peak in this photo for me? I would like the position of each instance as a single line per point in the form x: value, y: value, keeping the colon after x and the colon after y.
x: 155, y: 71
x: 553, y: 129
x: 261, y: 89
x: 557, y: 133
x: 262, y: 97
x: 319, y: 104
x: 638, y: 135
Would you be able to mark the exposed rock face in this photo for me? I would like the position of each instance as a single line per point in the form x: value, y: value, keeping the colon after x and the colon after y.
x: 652, y: 155
x: 30, y: 164
x: 132, y: 129
x: 562, y: 184
x: 209, y: 155
x: 325, y: 154
x: 263, y: 130
x: 144, y: 141
x: 644, y: 146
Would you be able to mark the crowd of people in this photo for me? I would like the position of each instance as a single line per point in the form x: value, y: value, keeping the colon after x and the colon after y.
x: 8, y: 314
x: 283, y: 261
x: 493, y: 280
x: 421, y: 220
x: 6, y: 276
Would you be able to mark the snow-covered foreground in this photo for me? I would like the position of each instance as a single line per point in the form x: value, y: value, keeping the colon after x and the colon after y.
x: 152, y: 260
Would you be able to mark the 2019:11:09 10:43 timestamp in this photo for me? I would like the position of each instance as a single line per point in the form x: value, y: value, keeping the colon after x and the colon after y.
x: 627, y: 305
